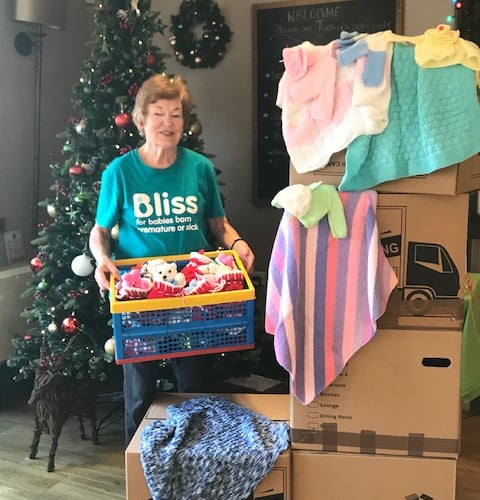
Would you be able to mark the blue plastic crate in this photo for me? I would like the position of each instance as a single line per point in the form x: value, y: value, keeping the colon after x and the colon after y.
x: 172, y: 327
x: 189, y: 331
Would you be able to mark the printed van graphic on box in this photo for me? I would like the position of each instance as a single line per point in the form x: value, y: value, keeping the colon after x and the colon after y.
x: 425, y: 268
x: 425, y: 271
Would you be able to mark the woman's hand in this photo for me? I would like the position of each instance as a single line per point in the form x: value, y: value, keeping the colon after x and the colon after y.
x: 100, y: 247
x: 104, y: 269
x: 225, y: 234
x: 246, y: 255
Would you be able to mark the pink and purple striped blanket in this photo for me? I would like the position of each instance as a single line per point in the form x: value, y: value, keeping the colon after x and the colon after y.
x: 325, y: 294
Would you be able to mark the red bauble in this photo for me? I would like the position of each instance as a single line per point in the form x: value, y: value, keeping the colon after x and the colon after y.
x: 70, y: 325
x: 122, y: 120
x: 76, y: 170
x: 36, y: 264
x: 133, y: 89
x: 151, y: 60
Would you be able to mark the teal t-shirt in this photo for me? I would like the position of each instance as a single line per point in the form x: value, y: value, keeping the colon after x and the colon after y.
x: 159, y: 211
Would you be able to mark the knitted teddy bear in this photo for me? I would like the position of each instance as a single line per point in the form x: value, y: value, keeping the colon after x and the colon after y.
x: 132, y: 286
x: 167, y: 271
x: 167, y: 281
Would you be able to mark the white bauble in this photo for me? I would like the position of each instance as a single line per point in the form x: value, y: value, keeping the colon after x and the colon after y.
x: 82, y: 265
x: 52, y: 328
x: 109, y: 346
x: 52, y: 211
x: 115, y: 231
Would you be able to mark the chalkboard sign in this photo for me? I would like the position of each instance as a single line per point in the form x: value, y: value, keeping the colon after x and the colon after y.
x: 286, y: 24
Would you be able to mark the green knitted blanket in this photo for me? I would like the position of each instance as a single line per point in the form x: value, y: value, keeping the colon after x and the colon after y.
x: 434, y: 122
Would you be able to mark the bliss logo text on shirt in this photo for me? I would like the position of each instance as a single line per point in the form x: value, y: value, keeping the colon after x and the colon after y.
x: 160, y: 204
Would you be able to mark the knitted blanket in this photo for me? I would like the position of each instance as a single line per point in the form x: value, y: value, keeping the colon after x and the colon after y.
x: 433, y: 123
x: 325, y: 106
x: 325, y: 294
x: 209, y: 449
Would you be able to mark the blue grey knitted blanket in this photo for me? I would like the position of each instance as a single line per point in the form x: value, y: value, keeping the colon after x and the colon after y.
x: 209, y: 449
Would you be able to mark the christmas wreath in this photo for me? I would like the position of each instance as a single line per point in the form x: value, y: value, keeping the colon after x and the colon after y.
x: 204, y: 52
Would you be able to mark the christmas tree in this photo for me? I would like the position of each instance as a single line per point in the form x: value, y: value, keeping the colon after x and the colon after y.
x: 66, y: 300
x: 467, y: 17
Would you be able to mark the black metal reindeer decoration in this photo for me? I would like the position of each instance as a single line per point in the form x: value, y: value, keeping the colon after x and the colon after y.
x: 55, y: 398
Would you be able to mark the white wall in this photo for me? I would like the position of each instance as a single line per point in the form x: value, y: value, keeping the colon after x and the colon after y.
x: 16, y: 132
x: 62, y: 56
x: 425, y: 14
x: 224, y: 105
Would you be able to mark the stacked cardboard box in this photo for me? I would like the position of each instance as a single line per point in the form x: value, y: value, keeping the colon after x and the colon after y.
x: 392, y: 418
x: 274, y: 486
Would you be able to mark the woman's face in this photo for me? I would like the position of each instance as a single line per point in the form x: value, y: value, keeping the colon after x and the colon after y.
x: 163, y: 123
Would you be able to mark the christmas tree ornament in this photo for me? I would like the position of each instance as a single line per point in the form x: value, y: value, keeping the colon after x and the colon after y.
x: 109, y: 346
x: 115, y: 232
x: 70, y: 325
x: 122, y: 14
x: 107, y: 78
x: 36, y: 264
x: 208, y: 50
x: 80, y: 127
x: 42, y: 286
x: 77, y: 170
x: 88, y: 89
x: 134, y: 6
x: 151, y: 60
x: 52, y: 210
x: 123, y: 120
x: 196, y: 128
x: 82, y: 265
x: 133, y: 89
x: 52, y: 328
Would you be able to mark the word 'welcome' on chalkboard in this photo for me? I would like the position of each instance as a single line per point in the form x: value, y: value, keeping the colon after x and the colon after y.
x: 286, y: 24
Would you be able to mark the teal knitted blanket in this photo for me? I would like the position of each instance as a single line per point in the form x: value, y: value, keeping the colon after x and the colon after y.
x: 434, y: 122
x: 209, y: 449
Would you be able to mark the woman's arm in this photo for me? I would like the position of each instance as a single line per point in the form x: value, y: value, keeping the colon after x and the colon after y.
x: 99, y: 243
x: 225, y: 234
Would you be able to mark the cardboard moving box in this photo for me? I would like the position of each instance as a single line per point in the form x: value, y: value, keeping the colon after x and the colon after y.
x: 338, y: 476
x: 430, y: 262
x: 438, y: 313
x: 457, y: 179
x: 274, y: 486
x: 398, y: 395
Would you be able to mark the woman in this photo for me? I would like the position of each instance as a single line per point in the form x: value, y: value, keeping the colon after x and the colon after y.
x: 165, y: 199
